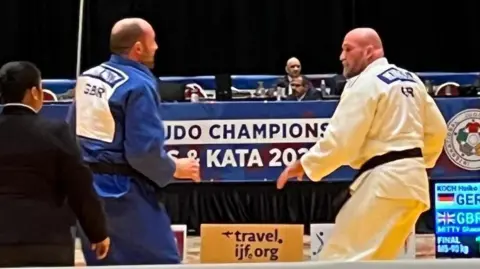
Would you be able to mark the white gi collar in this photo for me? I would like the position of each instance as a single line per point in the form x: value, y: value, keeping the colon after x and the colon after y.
x: 22, y: 105
x: 377, y: 62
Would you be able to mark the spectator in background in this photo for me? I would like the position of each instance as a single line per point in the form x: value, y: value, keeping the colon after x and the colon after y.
x: 301, y: 90
x: 294, y: 70
x: 41, y: 170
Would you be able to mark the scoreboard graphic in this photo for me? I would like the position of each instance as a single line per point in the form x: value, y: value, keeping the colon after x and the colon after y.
x: 457, y: 220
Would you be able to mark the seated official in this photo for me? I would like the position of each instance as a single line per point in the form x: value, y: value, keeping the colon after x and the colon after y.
x: 293, y: 69
x: 42, y: 180
x: 302, y: 91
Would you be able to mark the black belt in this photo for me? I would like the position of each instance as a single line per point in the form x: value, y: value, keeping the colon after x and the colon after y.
x: 114, y: 169
x: 373, y: 162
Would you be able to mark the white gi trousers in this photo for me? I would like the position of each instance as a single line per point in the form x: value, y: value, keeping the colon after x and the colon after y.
x: 376, y: 221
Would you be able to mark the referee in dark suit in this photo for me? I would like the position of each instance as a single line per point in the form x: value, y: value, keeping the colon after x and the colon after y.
x: 42, y: 180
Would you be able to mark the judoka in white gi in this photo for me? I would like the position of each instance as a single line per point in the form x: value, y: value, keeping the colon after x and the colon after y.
x: 384, y: 111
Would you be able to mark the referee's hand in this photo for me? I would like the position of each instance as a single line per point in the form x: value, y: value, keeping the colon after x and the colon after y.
x: 101, y: 248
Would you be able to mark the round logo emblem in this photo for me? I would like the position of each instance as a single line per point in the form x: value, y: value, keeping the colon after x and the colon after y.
x: 463, y: 139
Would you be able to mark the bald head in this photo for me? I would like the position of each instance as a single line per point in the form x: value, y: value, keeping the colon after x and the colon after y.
x: 365, y: 37
x: 293, y: 60
x: 293, y: 67
x: 134, y: 38
x: 360, y: 48
x: 126, y: 33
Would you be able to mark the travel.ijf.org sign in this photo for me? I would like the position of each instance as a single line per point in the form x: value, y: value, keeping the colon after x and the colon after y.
x: 230, y: 243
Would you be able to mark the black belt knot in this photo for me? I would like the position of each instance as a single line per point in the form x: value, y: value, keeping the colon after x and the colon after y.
x: 114, y: 169
x: 373, y: 162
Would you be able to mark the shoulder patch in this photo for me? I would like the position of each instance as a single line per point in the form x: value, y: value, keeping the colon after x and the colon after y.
x: 107, y: 74
x: 393, y: 74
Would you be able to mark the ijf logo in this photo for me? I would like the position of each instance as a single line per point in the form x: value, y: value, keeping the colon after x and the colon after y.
x: 463, y: 139
x: 320, y: 243
x: 319, y: 235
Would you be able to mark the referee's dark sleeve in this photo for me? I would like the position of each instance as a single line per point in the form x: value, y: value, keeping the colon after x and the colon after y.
x: 77, y: 181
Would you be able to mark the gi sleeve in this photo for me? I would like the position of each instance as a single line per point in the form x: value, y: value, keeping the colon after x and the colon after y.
x: 345, y: 133
x: 77, y: 182
x: 435, y: 132
x: 145, y: 137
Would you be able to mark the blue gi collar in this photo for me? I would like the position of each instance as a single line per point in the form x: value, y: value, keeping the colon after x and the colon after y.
x: 124, y: 61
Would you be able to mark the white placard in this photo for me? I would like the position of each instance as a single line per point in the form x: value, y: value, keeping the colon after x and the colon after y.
x: 321, y: 232
x: 409, y: 250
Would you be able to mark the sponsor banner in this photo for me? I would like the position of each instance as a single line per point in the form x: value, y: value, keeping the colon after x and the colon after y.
x: 254, y: 141
x: 244, y: 243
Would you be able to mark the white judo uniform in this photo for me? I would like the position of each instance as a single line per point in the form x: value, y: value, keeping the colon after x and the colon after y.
x: 383, y: 109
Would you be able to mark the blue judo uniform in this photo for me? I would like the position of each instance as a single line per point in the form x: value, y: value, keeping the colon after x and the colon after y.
x: 119, y: 127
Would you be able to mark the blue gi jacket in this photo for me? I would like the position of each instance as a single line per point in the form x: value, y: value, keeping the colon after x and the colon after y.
x: 118, y: 121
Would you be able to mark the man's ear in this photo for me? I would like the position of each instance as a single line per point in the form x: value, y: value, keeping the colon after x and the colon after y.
x: 138, y: 47
x: 369, y: 52
x: 36, y: 93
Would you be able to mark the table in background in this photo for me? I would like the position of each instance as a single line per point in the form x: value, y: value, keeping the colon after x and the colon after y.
x: 248, y: 82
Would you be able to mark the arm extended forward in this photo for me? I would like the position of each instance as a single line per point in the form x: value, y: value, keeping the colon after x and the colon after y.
x: 145, y: 138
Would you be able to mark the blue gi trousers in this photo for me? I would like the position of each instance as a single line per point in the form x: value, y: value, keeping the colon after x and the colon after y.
x: 139, y: 227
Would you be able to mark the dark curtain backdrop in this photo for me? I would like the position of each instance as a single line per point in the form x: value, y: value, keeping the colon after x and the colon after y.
x: 426, y: 35
x: 240, y: 36
x: 43, y: 32
x: 299, y: 203
x: 244, y: 36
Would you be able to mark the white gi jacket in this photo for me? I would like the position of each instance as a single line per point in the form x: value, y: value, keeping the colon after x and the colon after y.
x: 385, y: 108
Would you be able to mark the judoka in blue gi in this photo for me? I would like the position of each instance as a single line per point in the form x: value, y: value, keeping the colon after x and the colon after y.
x: 121, y: 133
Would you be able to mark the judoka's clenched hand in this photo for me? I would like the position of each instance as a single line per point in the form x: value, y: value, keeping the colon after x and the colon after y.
x: 101, y: 248
x: 293, y: 170
x: 187, y: 168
